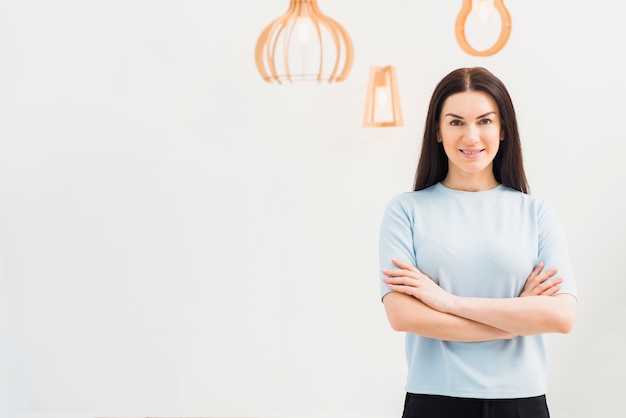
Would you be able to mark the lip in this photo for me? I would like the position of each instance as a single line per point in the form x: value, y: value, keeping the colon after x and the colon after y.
x: 471, y: 153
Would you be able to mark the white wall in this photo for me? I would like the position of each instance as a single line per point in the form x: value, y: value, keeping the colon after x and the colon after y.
x: 180, y: 238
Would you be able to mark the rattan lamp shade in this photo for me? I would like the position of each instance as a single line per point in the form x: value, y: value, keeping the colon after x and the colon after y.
x: 505, y: 29
x: 382, y: 104
x: 304, y: 45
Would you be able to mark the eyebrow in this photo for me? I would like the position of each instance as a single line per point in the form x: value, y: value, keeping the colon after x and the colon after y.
x: 461, y: 117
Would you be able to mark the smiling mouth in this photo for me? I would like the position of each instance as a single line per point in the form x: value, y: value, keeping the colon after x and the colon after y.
x: 471, y: 152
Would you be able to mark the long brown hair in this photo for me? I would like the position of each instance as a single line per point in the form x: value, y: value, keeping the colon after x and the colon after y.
x: 508, y: 167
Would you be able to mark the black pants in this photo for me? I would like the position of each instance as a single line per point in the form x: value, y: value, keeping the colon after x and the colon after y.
x: 435, y: 406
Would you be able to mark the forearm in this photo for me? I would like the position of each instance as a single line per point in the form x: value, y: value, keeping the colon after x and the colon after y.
x: 520, y: 316
x: 407, y: 314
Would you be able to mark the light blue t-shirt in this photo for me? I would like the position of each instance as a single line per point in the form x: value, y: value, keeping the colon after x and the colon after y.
x: 477, y: 244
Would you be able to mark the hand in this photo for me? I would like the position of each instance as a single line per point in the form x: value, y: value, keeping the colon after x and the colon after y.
x: 409, y: 280
x: 538, y: 284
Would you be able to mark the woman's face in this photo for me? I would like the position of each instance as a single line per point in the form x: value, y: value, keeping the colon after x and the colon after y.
x: 470, y: 130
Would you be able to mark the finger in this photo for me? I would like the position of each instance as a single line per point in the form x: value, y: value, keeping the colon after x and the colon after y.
x: 404, y: 265
x: 538, y: 282
x: 397, y: 273
x: 408, y: 290
x: 551, y: 287
x: 546, y: 275
x: 402, y: 281
x: 537, y: 269
x: 546, y: 285
x: 533, y: 285
x: 551, y: 291
x: 535, y: 281
x: 534, y: 278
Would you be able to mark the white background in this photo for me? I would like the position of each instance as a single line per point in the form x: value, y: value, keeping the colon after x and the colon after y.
x: 180, y: 238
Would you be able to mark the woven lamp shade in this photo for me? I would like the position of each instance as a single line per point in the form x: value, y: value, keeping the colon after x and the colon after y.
x: 505, y: 30
x: 382, y: 104
x: 304, y: 45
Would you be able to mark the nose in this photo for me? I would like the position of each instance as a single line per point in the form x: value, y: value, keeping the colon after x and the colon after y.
x: 472, y: 134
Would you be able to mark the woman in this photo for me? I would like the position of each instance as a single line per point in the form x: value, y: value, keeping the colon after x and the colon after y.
x: 469, y: 262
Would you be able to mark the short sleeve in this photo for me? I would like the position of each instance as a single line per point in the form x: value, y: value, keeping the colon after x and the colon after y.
x: 552, y: 250
x: 396, y: 239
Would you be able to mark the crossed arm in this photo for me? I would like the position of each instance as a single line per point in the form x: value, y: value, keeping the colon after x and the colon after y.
x: 419, y: 306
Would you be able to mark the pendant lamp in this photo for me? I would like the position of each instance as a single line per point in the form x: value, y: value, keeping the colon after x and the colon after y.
x: 483, y: 13
x: 382, y: 105
x: 304, y: 45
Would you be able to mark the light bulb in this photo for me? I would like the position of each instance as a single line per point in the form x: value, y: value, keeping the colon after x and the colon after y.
x: 382, y: 103
x: 381, y: 96
x: 484, y: 12
x: 302, y: 28
x: 382, y: 109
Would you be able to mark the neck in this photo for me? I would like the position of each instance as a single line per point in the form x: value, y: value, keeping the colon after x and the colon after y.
x: 470, y: 185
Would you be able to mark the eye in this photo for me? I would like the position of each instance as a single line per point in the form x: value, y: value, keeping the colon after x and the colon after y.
x: 455, y: 122
x: 485, y: 121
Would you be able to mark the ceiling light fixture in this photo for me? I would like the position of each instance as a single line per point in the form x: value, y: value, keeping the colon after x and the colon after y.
x: 304, y: 45
x: 483, y: 13
x: 382, y: 105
